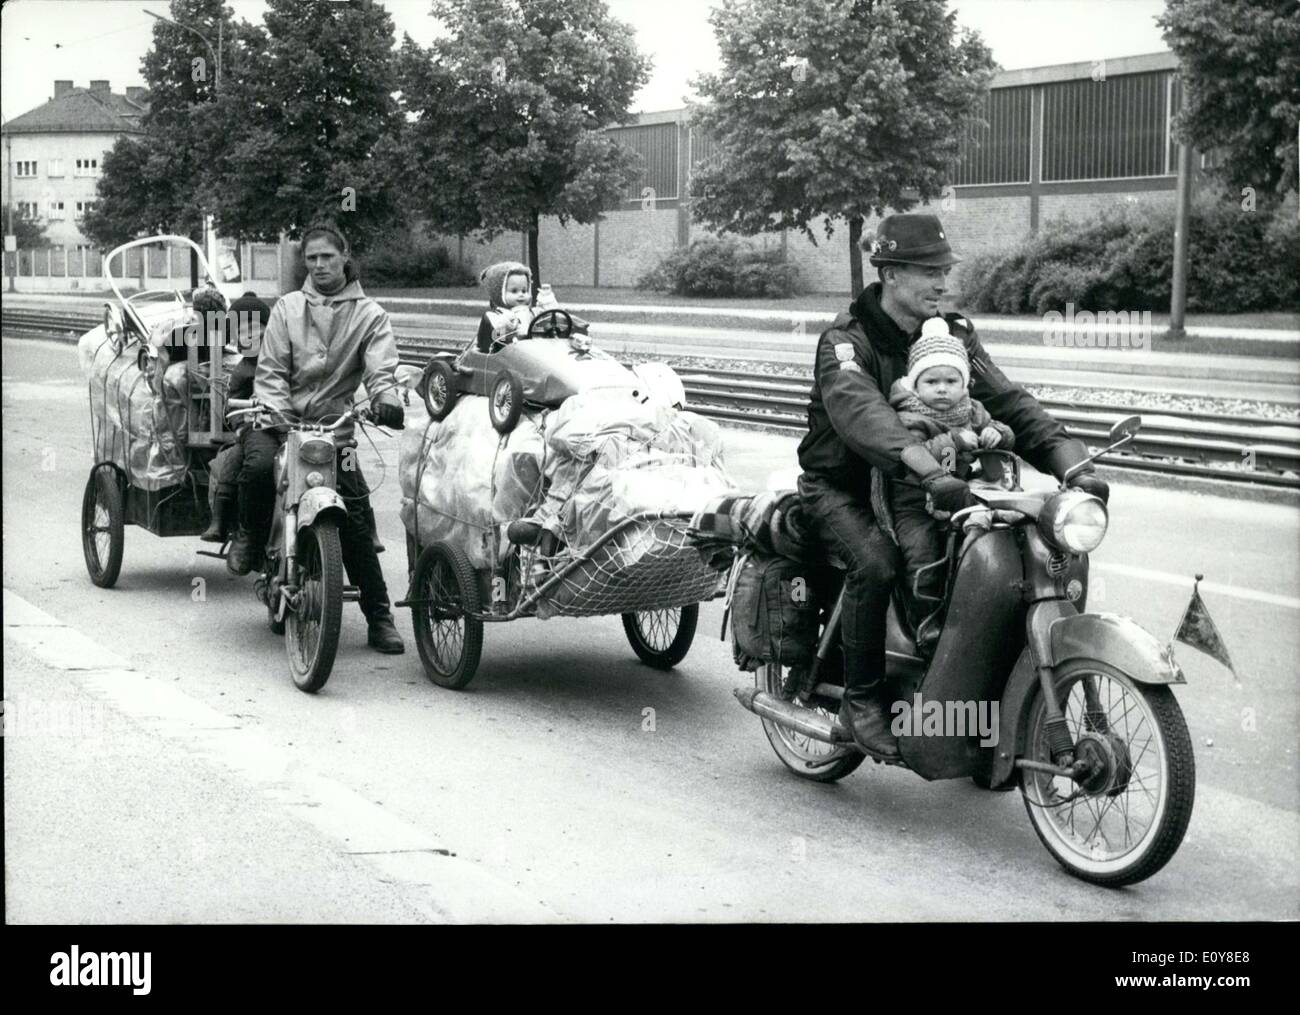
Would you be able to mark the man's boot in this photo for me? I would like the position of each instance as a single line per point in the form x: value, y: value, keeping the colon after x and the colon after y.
x: 863, y: 711
x: 224, y: 510
x: 382, y: 636
x: 243, y: 555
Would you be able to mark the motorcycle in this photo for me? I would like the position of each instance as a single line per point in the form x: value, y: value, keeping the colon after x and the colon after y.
x: 301, y: 583
x: 1024, y: 688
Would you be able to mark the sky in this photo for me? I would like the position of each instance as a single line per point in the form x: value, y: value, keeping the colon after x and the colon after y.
x: 44, y: 40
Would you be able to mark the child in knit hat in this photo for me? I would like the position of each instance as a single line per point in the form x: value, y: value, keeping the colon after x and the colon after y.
x: 933, y: 402
x: 509, y: 287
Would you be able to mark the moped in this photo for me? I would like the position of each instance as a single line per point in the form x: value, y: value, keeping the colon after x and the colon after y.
x: 1024, y: 687
x: 301, y: 583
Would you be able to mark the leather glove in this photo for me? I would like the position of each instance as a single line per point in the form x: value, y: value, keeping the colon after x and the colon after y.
x: 947, y: 493
x: 389, y: 415
x: 1090, y: 482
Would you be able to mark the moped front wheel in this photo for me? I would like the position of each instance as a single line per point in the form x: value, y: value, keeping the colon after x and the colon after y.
x: 804, y: 756
x: 311, y: 634
x: 1126, y: 819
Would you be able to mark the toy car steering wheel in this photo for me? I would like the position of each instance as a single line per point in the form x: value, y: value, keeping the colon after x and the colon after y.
x: 556, y: 329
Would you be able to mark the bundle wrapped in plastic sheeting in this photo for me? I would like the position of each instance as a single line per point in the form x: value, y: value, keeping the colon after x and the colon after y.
x: 460, y: 478
x: 141, y: 430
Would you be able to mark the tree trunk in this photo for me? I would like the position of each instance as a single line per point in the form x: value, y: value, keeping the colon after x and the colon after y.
x: 855, y: 255
x: 532, y: 254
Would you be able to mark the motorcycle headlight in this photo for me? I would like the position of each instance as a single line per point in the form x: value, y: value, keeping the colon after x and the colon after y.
x: 1073, y: 521
x: 317, y: 452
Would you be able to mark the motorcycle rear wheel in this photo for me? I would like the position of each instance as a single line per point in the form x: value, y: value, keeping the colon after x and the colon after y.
x: 1148, y: 811
x: 311, y: 635
x: 804, y: 756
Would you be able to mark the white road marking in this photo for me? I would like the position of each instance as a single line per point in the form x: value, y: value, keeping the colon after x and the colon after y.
x: 1166, y: 578
x: 445, y: 887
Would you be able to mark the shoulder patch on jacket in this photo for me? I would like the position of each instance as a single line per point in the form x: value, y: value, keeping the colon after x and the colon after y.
x: 844, y: 351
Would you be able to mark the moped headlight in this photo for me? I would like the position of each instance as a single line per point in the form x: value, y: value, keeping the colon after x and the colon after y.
x: 317, y: 452
x: 1073, y: 521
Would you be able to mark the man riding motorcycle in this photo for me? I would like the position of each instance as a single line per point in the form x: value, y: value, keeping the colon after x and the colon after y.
x: 852, y: 428
x: 319, y: 345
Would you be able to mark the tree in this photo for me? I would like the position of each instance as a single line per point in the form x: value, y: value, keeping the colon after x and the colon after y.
x: 1241, y: 86
x: 160, y: 181
x: 507, y: 113
x: 29, y: 233
x: 310, y: 125
x: 841, y: 108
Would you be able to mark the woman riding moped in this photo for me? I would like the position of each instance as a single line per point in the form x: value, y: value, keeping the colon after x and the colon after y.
x: 320, y: 344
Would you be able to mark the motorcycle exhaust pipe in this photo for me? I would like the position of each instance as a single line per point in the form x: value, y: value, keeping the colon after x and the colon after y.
x: 801, y: 720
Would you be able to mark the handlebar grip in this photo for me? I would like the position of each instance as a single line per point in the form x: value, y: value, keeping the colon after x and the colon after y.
x: 240, y: 403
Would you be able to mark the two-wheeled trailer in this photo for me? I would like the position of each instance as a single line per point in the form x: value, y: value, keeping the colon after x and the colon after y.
x: 173, y: 501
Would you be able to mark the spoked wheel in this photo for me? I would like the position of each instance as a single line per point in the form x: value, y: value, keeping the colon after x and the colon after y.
x: 661, y: 638
x: 312, y: 627
x: 103, y: 518
x: 447, y: 634
x: 505, y: 401
x: 804, y: 756
x: 1123, y: 822
x: 438, y: 386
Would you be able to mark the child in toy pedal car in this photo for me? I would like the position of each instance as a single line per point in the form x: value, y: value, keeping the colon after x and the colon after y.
x: 509, y: 287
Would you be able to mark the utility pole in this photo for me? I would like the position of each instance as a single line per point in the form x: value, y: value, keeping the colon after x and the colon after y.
x: 1182, y: 225
x: 9, y: 180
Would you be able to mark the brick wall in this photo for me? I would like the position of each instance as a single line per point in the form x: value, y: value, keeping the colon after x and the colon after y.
x: 633, y: 242
x: 567, y: 254
x: 1082, y: 206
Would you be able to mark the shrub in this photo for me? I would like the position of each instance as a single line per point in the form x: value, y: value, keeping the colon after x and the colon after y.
x: 1122, y: 259
x: 411, y: 262
x: 722, y: 267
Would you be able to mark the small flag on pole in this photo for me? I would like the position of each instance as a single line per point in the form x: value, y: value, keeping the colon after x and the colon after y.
x: 1197, y: 629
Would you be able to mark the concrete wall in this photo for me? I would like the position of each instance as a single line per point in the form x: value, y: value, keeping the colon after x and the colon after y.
x: 68, y: 187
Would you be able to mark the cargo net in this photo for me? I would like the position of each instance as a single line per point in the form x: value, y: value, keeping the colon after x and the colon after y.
x: 644, y: 565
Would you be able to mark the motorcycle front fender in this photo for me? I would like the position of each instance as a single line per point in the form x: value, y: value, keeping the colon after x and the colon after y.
x: 318, y: 500
x: 1117, y: 641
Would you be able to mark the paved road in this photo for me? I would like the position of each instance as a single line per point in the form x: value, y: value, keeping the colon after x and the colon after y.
x: 205, y: 787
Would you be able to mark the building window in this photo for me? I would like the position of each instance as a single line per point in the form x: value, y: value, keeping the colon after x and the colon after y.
x: 56, y: 211
x: 27, y: 210
x: 56, y: 167
x: 83, y: 207
x: 1106, y: 129
x: 87, y: 167
x: 25, y: 168
x: 997, y: 150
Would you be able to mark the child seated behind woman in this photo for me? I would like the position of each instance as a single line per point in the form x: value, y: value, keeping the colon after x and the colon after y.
x: 245, y: 320
x: 933, y: 402
x: 509, y: 287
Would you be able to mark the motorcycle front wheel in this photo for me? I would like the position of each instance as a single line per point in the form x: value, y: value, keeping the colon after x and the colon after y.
x: 1125, y: 822
x: 311, y: 634
x: 804, y: 756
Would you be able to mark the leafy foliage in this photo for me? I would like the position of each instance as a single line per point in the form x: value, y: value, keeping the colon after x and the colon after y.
x: 29, y: 233
x: 409, y: 261
x: 722, y: 267
x: 842, y: 108
x: 506, y: 114
x: 310, y: 113
x: 1241, y: 75
x: 1238, y: 261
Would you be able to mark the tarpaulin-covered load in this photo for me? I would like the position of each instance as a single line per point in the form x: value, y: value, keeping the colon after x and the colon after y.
x: 584, y: 471
x: 468, y: 477
x: 140, y: 429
